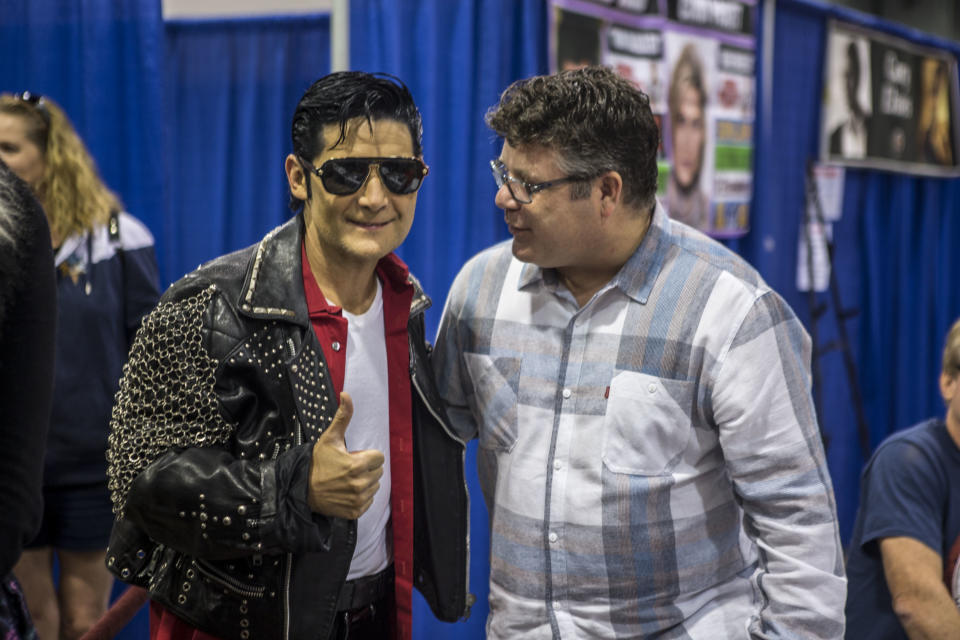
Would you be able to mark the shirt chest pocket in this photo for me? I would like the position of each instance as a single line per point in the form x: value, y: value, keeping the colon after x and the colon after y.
x: 647, y: 423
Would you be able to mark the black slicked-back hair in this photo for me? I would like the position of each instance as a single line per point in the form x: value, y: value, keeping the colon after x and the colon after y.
x: 342, y: 96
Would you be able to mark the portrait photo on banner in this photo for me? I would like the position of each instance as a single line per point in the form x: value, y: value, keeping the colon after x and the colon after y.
x: 888, y: 103
x: 698, y: 69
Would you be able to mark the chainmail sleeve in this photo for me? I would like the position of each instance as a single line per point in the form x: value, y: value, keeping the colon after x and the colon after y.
x: 166, y: 397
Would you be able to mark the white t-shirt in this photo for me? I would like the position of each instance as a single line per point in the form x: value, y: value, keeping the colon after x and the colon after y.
x: 365, y: 379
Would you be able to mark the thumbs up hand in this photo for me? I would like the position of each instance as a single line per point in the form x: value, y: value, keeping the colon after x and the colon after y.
x: 342, y: 483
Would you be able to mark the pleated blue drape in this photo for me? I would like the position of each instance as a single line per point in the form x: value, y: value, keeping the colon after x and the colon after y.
x: 101, y: 62
x: 231, y: 87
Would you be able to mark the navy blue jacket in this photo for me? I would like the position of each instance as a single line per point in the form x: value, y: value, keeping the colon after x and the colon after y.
x: 105, y: 284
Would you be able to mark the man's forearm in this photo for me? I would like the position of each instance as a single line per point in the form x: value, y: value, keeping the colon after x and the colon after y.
x: 920, y: 599
x: 929, y: 616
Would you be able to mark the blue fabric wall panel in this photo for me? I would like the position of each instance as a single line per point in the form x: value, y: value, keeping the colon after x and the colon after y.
x: 101, y: 62
x: 782, y: 159
x: 232, y: 87
x: 908, y: 301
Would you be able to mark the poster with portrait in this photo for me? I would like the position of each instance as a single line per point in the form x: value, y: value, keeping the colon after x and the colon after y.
x: 888, y: 103
x: 696, y: 61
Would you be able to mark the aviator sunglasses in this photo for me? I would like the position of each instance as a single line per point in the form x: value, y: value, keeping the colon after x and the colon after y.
x: 344, y: 176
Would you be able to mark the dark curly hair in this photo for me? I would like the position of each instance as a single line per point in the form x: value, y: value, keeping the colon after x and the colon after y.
x: 342, y: 96
x: 593, y: 118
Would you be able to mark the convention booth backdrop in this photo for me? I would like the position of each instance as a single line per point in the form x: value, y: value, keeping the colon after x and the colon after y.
x: 189, y: 123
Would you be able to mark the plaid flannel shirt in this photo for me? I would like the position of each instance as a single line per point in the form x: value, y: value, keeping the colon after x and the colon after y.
x: 651, y: 461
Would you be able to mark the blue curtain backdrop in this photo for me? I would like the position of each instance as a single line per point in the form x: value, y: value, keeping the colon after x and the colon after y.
x: 189, y: 123
x: 230, y: 90
x: 101, y: 62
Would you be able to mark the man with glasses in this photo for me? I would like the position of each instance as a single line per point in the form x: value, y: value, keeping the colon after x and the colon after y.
x: 648, y: 446
x: 267, y: 439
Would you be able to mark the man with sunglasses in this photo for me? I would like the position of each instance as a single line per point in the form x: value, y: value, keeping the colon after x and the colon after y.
x: 280, y: 461
x: 648, y: 445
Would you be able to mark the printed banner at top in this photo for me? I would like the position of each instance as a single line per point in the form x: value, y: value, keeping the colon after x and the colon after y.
x: 642, y: 7
x: 722, y: 15
x: 696, y: 60
x: 888, y: 103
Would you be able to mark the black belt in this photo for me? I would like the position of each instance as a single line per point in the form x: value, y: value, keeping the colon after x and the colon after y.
x: 360, y: 592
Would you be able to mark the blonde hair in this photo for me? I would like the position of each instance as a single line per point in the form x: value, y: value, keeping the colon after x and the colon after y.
x: 951, y: 351
x: 71, y: 190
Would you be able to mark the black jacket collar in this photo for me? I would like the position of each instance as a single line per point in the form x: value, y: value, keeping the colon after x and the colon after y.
x: 272, y: 288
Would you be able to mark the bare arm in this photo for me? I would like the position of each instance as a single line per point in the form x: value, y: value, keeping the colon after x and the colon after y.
x: 920, y: 598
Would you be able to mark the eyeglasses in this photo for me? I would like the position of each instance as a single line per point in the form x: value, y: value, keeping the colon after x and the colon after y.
x: 521, y: 191
x: 343, y: 176
x: 37, y: 102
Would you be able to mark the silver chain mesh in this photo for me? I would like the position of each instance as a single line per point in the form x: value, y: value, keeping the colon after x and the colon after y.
x: 166, y: 397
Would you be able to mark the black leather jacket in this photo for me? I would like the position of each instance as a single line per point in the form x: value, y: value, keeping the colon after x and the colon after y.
x: 210, y: 451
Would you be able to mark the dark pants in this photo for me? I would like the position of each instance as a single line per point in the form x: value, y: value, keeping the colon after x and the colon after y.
x: 365, y: 608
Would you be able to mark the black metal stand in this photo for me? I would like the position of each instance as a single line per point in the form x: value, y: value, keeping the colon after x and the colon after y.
x: 841, y: 315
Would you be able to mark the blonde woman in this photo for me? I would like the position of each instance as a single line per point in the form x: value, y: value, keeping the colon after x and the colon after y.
x: 106, y: 281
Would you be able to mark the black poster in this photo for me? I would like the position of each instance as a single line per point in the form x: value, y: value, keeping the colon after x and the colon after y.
x: 888, y: 103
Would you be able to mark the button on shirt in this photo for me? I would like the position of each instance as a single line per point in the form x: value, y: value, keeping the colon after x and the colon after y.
x: 652, y: 458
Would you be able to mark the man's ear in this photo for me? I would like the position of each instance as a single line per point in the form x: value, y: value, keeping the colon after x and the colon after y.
x: 611, y: 191
x: 296, y: 177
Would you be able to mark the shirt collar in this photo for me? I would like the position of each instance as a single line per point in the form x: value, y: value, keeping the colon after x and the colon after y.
x: 393, y: 272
